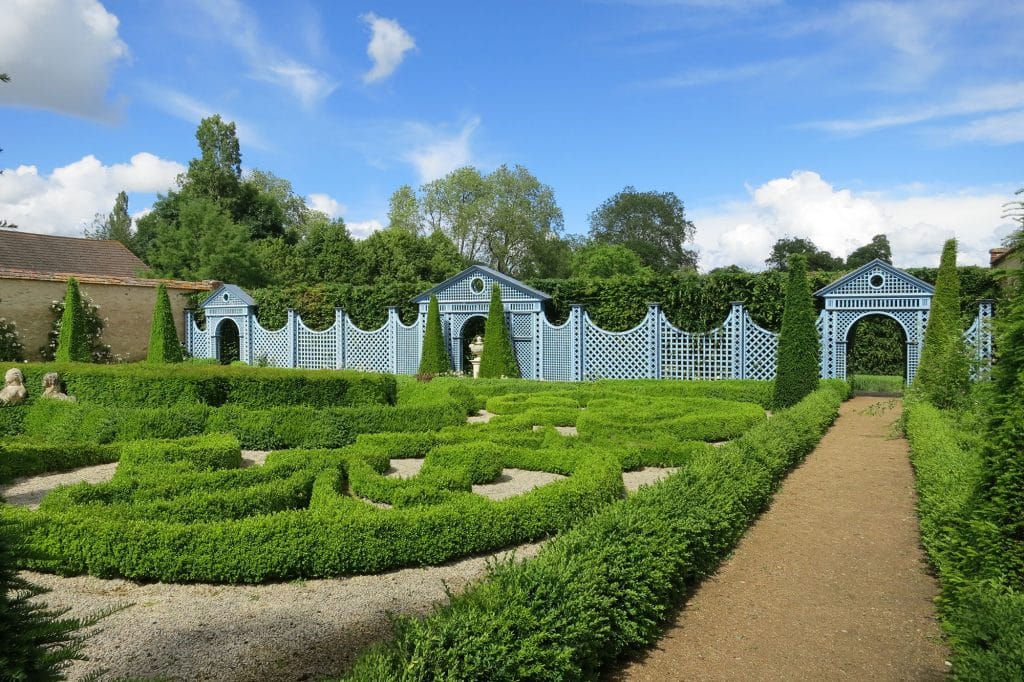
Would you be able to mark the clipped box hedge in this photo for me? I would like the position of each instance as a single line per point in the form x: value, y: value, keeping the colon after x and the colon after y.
x: 158, y: 385
x: 603, y: 588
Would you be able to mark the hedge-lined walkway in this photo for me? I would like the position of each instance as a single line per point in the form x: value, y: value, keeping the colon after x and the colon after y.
x: 829, y: 584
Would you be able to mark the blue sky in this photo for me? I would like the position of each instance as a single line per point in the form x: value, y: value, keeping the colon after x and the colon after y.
x: 832, y: 121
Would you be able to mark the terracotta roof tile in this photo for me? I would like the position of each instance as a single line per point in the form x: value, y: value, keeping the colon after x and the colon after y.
x: 48, y: 253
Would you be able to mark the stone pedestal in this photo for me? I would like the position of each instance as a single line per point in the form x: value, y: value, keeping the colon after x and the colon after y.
x: 477, y: 349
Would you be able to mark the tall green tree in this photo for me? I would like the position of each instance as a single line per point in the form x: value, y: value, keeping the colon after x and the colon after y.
x: 164, y: 345
x: 506, y: 219
x: 73, y: 342
x: 404, y: 211
x: 817, y: 260
x: 498, y: 357
x: 116, y: 226
x: 601, y: 261
x: 943, y: 373
x: 799, y: 355
x: 434, y: 359
x: 651, y: 224
x: 878, y: 248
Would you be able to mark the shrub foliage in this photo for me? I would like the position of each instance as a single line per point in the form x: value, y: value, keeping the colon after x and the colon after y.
x: 73, y: 342
x: 434, y: 359
x: 943, y: 375
x: 499, y: 358
x: 163, y: 335
x: 799, y: 347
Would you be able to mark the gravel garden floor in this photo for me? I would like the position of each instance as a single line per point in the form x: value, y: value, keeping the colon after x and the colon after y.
x: 829, y: 584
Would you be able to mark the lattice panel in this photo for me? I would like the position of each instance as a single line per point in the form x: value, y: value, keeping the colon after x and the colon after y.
x: 410, y: 345
x: 688, y: 355
x: 760, y: 350
x: 561, y: 356
x: 524, y: 358
x: 200, y: 343
x: 272, y: 345
x: 978, y: 339
x: 522, y: 327
x: 618, y: 355
x: 316, y: 349
x: 462, y: 290
x: 367, y: 351
x: 891, y: 284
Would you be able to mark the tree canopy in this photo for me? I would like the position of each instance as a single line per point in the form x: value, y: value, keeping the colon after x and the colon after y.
x: 117, y: 225
x: 652, y: 225
x: 817, y: 259
x: 878, y: 248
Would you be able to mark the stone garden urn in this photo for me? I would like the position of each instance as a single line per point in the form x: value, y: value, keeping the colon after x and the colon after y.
x: 476, y: 347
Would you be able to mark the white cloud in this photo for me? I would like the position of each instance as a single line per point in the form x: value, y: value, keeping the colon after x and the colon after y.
x: 839, y: 221
x: 68, y: 199
x: 238, y: 27
x: 997, y: 97
x: 192, y: 110
x: 363, y: 229
x: 59, y: 54
x: 435, y: 152
x: 388, y: 44
x: 326, y: 204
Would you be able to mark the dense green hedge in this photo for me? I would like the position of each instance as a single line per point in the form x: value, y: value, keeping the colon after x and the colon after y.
x: 142, y: 385
x: 29, y: 459
x: 206, y: 535
x: 263, y: 429
x: 604, y: 587
x: 983, y: 617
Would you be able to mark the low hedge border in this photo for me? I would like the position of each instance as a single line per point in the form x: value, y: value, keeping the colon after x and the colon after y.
x: 31, y: 459
x: 160, y: 385
x: 174, y: 537
x: 604, y: 587
x: 984, y: 619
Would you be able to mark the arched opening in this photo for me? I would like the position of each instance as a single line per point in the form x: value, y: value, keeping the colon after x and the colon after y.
x: 876, y: 345
x: 228, y: 346
x: 472, y: 328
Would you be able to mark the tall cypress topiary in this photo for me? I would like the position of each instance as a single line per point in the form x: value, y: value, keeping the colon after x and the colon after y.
x: 797, y: 370
x: 499, y: 359
x: 943, y: 374
x: 163, y: 335
x: 73, y: 343
x: 434, y: 359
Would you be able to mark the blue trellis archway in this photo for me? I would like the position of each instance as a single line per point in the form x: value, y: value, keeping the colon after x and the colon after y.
x: 875, y: 288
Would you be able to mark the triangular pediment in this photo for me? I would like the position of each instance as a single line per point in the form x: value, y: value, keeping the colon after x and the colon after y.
x: 877, y: 278
x: 228, y: 295
x: 474, y: 284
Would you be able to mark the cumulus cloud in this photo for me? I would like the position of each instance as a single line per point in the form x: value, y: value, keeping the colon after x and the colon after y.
x: 839, y: 221
x: 326, y: 204
x: 59, y: 54
x: 435, y: 152
x: 363, y: 229
x: 68, y: 199
x: 388, y: 44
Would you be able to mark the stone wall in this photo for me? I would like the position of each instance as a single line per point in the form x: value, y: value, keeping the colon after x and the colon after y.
x: 126, y: 306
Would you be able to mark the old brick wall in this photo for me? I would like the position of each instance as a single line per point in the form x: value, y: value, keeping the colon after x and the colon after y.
x: 126, y: 309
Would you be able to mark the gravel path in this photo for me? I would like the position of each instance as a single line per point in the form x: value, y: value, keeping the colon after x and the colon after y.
x: 29, y: 491
x: 634, y: 480
x: 829, y: 584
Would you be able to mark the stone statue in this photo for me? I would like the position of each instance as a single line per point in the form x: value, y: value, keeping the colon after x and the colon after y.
x: 53, y: 387
x: 477, y: 349
x: 14, y: 387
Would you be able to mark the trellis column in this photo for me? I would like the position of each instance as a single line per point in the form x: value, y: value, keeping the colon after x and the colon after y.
x: 393, y: 339
x: 738, y: 339
x: 654, y: 339
x: 188, y: 331
x: 339, y: 338
x: 579, y: 340
x: 292, y: 334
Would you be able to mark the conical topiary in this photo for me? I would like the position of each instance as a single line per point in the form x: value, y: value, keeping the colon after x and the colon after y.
x: 499, y: 359
x: 163, y: 335
x: 434, y: 358
x: 799, y: 348
x: 943, y: 375
x: 72, y: 343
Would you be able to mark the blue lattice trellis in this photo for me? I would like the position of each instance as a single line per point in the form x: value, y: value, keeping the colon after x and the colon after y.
x: 579, y: 349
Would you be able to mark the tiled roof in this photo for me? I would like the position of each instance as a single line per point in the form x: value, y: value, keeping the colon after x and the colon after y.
x: 45, y: 253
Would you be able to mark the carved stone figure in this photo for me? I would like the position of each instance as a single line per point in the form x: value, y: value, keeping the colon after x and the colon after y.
x: 53, y: 387
x: 477, y: 349
x: 14, y: 387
